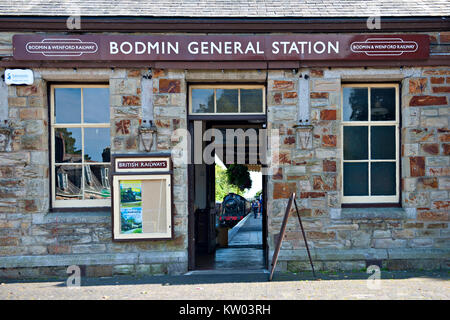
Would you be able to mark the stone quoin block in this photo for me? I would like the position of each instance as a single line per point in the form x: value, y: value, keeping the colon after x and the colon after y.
x: 427, y: 101
x: 417, y: 166
x: 328, y: 115
x: 417, y: 86
x: 319, y: 95
x: 290, y: 95
x: 284, y: 190
x: 131, y: 101
x: 441, y: 89
x: 169, y: 86
x: 282, y: 85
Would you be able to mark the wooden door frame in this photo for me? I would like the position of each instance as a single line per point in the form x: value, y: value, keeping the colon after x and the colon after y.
x: 191, y: 198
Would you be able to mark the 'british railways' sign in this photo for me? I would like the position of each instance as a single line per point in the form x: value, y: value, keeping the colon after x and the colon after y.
x: 141, y: 164
x: 221, y: 47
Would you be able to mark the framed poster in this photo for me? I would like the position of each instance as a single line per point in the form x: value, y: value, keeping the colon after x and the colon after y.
x: 142, y: 207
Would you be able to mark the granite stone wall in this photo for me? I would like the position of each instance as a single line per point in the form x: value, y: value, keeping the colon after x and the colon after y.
x: 37, y: 241
x: 416, y: 235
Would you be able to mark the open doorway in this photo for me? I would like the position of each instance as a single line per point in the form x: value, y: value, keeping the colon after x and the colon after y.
x: 227, y: 216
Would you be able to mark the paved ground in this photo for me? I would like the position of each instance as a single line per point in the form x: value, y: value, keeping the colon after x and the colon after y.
x: 247, y: 283
x: 243, y: 286
x: 249, y: 234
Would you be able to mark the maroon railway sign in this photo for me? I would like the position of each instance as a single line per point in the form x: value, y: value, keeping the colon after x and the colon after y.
x: 136, y: 164
x: 141, y: 164
x: 221, y: 47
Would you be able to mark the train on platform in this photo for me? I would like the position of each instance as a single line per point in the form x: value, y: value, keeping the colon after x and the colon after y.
x: 234, y: 208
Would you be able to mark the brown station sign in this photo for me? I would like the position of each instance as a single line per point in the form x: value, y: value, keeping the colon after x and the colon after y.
x: 221, y: 47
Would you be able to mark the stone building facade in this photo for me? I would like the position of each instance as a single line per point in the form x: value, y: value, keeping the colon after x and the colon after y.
x: 37, y: 241
x: 414, y: 235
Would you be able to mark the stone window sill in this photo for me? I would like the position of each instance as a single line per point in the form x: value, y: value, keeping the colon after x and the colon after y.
x: 94, y: 216
x: 393, y: 213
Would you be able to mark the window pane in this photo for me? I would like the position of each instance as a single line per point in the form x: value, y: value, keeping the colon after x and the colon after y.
x: 382, y: 178
x: 96, y: 182
x: 97, y: 145
x: 382, y: 104
x: 382, y: 144
x: 355, y: 143
x: 227, y: 100
x: 202, y: 100
x: 356, y: 179
x: 67, y: 145
x: 251, y: 100
x: 68, y: 183
x: 355, y: 104
x: 96, y: 105
x: 67, y: 105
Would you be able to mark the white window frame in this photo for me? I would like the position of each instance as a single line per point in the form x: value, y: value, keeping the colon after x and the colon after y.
x: 231, y: 86
x: 372, y: 198
x: 81, y: 203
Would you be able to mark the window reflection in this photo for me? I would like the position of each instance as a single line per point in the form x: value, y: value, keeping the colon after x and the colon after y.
x: 96, y: 182
x: 382, y: 104
x: 251, y: 100
x: 227, y: 100
x: 96, y: 144
x: 203, y: 100
x: 81, y: 135
x: 355, y: 104
x: 68, y: 182
x: 68, y: 105
x: 67, y: 145
x: 96, y: 105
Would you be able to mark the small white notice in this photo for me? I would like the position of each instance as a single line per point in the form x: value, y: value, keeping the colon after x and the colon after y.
x: 19, y: 76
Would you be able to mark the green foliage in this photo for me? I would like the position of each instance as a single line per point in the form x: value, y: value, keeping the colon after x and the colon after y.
x: 227, y: 100
x: 239, y: 176
x: 69, y: 141
x: 222, y: 185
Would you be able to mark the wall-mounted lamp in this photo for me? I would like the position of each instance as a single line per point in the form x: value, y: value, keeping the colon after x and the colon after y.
x: 147, y: 132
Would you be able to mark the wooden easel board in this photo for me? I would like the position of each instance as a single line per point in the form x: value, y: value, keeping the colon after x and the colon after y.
x: 281, y: 236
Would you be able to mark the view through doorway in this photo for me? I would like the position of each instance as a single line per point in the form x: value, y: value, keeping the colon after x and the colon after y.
x: 228, y: 209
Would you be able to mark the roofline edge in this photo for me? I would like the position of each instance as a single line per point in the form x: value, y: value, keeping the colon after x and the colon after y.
x: 215, y: 25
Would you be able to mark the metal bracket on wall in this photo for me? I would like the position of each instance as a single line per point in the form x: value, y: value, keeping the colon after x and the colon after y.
x: 303, y: 99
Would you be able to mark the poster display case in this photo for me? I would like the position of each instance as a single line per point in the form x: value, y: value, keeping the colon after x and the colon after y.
x: 142, y: 198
